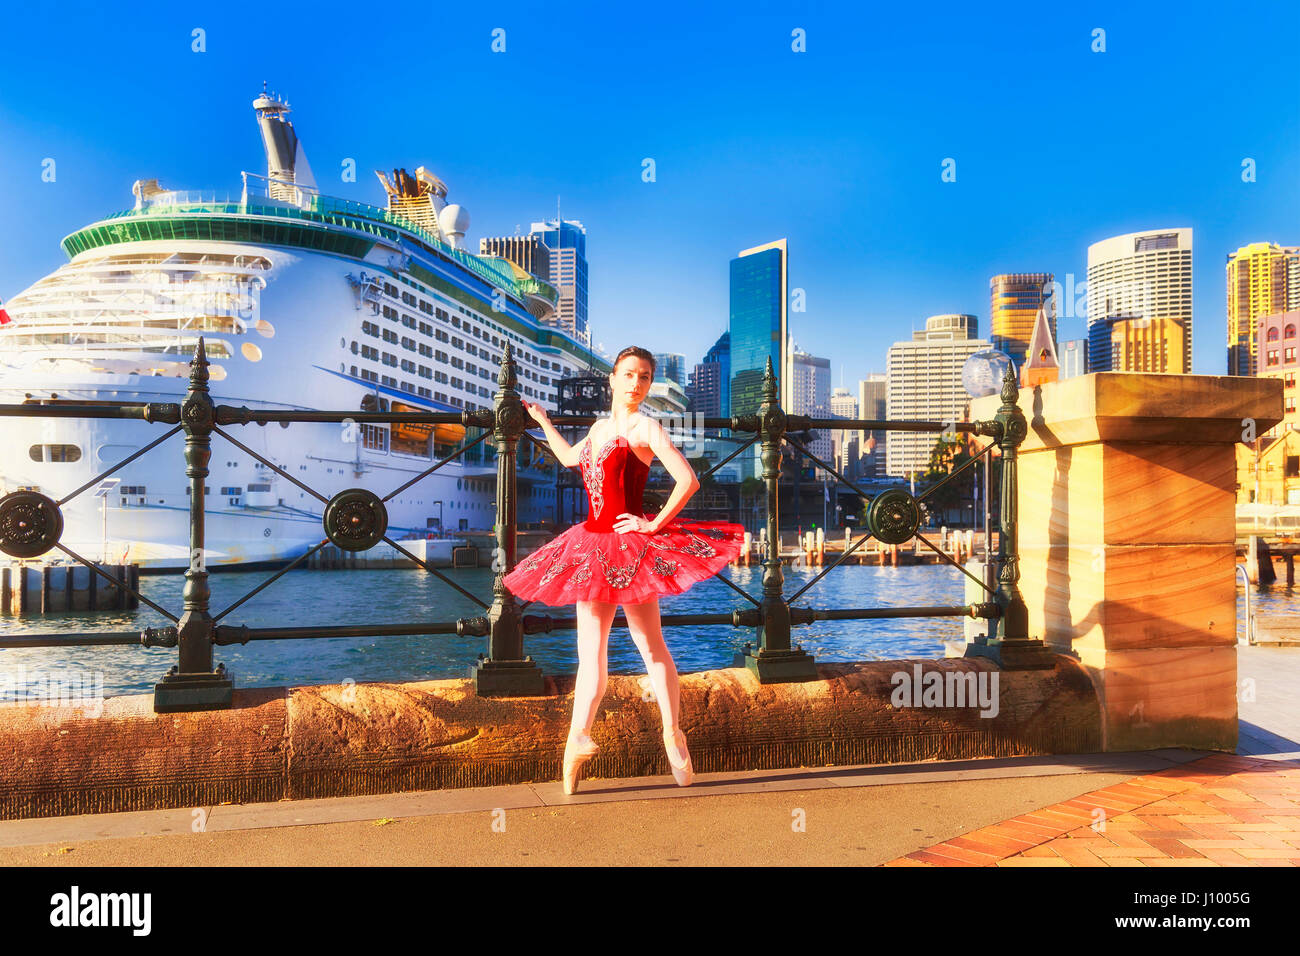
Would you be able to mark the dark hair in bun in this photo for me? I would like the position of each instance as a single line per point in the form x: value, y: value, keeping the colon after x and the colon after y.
x: 639, y: 353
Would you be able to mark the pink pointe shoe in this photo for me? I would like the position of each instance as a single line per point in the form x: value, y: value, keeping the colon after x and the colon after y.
x: 577, y: 751
x: 685, y: 772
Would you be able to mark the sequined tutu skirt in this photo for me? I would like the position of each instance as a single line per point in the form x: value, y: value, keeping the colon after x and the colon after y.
x: 583, y: 565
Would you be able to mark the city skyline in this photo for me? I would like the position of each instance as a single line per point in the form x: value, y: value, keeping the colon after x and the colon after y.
x: 878, y: 240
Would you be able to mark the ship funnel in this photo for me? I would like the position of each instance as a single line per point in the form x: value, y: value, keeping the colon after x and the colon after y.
x: 286, y: 164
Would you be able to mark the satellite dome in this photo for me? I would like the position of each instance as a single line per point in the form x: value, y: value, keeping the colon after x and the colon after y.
x: 454, y: 220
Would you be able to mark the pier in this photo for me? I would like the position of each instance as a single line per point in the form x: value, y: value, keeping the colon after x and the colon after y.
x: 51, y: 588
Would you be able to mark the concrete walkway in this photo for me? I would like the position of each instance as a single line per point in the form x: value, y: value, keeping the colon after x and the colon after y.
x: 825, y: 816
x: 816, y: 816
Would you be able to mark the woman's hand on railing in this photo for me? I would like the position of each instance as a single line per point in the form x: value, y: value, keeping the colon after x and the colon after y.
x: 565, y: 453
x: 537, y: 412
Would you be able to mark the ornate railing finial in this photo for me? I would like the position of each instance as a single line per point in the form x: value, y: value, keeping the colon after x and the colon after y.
x: 199, y: 368
x: 1010, y: 387
x: 769, y: 383
x: 507, y: 374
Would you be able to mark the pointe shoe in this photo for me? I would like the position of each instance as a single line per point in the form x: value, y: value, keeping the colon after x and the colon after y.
x: 685, y: 773
x: 577, y: 751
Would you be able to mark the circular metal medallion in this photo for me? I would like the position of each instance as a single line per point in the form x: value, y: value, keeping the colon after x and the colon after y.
x: 894, y: 516
x: 30, y: 524
x: 356, y: 520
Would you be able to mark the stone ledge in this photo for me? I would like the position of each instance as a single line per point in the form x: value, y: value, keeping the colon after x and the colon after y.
x: 343, y: 740
x: 1142, y: 407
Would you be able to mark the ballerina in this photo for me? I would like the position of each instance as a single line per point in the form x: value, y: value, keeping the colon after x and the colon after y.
x: 620, y: 556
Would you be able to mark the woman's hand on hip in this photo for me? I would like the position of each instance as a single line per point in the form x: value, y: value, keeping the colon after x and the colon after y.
x: 629, y: 522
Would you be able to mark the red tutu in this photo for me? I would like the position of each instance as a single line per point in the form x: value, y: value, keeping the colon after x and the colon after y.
x: 593, y: 562
x: 582, y: 565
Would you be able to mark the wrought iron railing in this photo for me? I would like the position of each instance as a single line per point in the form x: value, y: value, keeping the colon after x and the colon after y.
x: 31, y: 525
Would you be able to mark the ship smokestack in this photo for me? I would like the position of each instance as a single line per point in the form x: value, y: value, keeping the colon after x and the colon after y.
x: 286, y: 164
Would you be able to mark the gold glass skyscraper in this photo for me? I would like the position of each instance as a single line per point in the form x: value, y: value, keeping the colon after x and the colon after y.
x: 1263, y: 278
x: 1014, y: 301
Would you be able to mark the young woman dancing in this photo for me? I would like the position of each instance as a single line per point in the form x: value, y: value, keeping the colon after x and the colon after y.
x: 621, y: 556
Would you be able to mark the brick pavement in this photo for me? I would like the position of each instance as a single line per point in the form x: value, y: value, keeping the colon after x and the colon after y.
x: 1221, y: 810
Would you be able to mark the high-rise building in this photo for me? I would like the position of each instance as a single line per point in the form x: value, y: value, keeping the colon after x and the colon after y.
x: 1141, y: 275
x: 759, y: 331
x: 758, y: 325
x: 1146, y: 345
x: 873, y: 396
x: 721, y: 354
x: 810, y: 389
x: 1263, y: 278
x: 843, y: 404
x: 1277, y: 342
x: 1014, y: 301
x: 566, y: 241
x: 925, y: 385
x: 844, y: 442
x: 811, y: 385
x: 1099, y: 344
x: 707, y: 388
x: 527, y: 252
x: 1074, y: 358
x: 671, y: 365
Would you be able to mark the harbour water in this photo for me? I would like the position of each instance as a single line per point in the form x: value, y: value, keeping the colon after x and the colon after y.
x: 304, y: 598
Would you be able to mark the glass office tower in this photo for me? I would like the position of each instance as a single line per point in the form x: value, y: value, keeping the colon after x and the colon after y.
x: 758, y: 330
x: 758, y: 324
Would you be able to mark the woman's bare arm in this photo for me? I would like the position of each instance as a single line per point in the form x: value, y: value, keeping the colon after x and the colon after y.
x: 678, y: 467
x: 567, y: 454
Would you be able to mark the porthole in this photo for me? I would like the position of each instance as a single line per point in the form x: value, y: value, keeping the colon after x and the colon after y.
x: 65, y: 453
x: 251, y: 352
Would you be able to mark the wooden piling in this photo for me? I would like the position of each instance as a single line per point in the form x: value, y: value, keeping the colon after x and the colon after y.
x: 1263, y: 560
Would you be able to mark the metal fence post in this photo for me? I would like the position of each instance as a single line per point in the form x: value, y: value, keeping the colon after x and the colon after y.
x: 1013, y: 646
x: 775, y: 662
x: 192, y: 684
x: 505, y: 672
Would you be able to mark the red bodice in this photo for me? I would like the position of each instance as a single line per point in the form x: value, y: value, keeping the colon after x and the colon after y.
x: 615, y: 479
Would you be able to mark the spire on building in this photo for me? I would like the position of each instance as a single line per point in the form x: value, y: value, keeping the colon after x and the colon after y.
x: 1041, y: 364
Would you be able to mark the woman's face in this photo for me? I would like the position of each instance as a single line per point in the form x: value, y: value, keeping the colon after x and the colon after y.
x: 631, y: 379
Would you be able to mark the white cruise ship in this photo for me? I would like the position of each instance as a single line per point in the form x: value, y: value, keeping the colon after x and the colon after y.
x: 303, y: 302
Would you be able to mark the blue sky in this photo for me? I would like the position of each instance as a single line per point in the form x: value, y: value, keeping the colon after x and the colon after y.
x: 838, y: 148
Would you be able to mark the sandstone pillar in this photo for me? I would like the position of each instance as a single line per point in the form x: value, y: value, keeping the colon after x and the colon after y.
x: 1127, y: 495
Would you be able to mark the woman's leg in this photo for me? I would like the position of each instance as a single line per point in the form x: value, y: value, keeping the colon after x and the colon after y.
x: 594, y: 620
x: 643, y: 624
